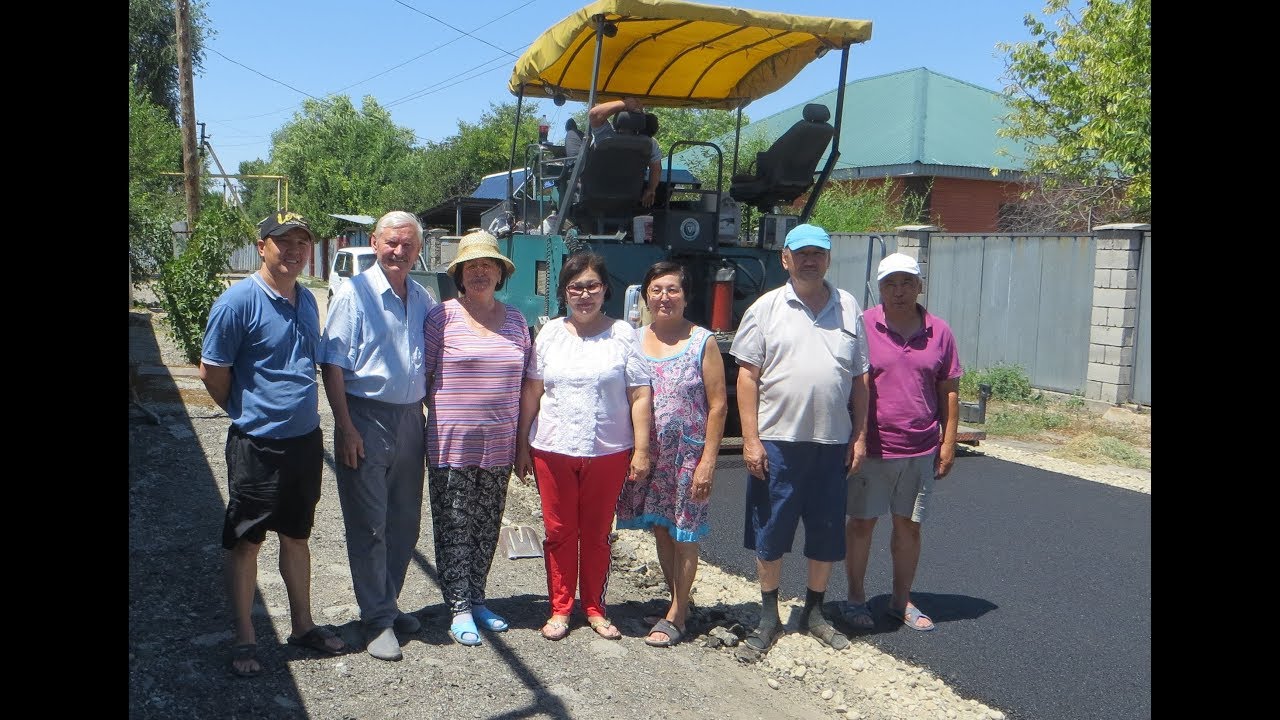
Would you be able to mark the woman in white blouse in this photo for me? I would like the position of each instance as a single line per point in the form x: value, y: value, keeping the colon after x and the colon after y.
x: 585, y: 414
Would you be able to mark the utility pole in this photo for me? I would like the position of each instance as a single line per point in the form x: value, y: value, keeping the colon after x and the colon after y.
x: 230, y: 187
x: 190, y: 156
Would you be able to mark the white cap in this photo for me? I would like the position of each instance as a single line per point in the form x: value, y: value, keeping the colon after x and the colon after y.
x: 897, y: 262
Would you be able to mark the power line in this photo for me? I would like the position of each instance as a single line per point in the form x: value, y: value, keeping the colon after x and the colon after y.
x: 460, y: 77
x: 459, y: 30
x: 394, y: 67
x: 279, y: 82
x: 441, y: 84
x: 438, y: 47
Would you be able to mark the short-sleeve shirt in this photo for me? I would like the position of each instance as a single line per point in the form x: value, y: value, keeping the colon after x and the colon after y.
x: 572, y: 143
x: 903, y: 413
x: 376, y: 338
x: 270, y: 345
x: 585, y: 409
x: 473, y: 400
x: 807, y: 364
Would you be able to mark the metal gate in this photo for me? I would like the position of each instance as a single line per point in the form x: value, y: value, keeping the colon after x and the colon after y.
x: 854, y: 258
x: 1016, y: 300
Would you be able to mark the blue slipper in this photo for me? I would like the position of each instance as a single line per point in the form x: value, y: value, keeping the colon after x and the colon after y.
x: 487, y: 618
x: 464, y: 632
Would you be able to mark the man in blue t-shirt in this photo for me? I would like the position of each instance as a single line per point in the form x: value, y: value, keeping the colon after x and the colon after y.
x: 258, y: 363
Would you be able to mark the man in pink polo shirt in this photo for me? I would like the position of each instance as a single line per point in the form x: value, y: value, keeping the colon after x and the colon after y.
x: 915, y: 390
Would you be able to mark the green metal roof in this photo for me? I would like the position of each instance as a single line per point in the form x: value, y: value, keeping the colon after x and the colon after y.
x: 907, y: 117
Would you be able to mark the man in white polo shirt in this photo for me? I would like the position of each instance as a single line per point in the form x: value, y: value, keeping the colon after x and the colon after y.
x: 802, y: 396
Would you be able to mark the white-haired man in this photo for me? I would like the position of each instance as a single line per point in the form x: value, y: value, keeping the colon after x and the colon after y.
x: 374, y: 378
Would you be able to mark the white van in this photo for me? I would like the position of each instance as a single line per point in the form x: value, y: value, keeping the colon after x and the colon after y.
x: 349, y: 261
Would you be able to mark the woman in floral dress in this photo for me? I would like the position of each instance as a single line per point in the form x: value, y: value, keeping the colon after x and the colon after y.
x: 689, y: 408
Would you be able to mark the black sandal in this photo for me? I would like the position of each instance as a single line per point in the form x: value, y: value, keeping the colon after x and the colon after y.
x: 240, y: 653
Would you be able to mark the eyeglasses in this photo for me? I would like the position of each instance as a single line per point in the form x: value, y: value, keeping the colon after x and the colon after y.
x: 590, y: 288
x: 656, y: 293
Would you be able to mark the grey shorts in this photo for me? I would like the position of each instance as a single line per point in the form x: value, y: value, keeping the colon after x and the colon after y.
x: 900, y: 485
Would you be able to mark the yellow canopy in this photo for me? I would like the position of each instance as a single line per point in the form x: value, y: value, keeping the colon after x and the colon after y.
x: 678, y: 54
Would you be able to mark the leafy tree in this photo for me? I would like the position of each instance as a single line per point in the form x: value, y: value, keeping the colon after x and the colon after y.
x: 715, y: 126
x: 342, y: 160
x: 258, y: 196
x: 155, y: 147
x: 153, y: 49
x: 1081, y: 99
x: 457, y: 163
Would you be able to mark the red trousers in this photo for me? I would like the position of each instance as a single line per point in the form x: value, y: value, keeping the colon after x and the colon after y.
x: 579, y: 495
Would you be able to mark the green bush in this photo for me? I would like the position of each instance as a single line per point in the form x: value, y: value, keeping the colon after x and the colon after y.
x: 1008, y: 382
x: 1017, y: 422
x: 188, y: 281
x: 150, y: 236
x: 866, y: 208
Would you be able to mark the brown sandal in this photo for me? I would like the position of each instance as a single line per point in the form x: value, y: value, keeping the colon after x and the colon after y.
x: 555, y: 629
x: 604, y: 628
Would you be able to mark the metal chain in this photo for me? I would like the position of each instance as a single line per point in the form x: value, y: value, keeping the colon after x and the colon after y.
x: 546, y: 303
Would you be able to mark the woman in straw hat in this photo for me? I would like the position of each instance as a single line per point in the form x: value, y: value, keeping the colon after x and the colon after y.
x: 584, y: 429
x: 477, y: 353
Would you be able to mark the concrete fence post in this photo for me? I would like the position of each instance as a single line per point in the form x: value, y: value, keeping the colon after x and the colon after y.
x: 913, y: 240
x: 1115, y: 312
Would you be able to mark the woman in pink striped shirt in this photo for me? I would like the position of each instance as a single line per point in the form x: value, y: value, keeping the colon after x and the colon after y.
x: 477, y: 353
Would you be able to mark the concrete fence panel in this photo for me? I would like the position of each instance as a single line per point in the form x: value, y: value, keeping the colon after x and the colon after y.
x: 1022, y: 300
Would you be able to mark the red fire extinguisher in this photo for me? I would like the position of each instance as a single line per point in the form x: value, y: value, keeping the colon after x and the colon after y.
x: 722, y: 299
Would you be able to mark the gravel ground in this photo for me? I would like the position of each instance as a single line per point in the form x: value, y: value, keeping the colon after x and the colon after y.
x: 180, y: 626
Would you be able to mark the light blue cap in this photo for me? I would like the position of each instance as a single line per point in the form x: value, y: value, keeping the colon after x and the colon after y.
x: 805, y: 235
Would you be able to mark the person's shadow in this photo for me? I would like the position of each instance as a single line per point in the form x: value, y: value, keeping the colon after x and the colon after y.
x: 940, y: 607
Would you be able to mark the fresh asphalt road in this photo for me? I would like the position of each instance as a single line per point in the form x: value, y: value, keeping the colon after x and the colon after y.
x: 1040, y: 584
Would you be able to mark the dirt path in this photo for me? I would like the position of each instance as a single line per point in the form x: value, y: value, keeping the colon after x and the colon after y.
x: 179, y: 623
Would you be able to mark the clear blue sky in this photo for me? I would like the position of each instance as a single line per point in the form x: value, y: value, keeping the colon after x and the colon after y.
x: 417, y: 59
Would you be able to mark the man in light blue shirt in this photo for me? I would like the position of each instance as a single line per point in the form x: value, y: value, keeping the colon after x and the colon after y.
x: 372, y: 366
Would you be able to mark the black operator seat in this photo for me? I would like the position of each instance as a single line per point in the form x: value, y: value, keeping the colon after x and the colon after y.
x: 785, y: 171
x: 612, y: 178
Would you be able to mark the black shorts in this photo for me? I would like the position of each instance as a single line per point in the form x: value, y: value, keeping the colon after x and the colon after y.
x: 272, y: 485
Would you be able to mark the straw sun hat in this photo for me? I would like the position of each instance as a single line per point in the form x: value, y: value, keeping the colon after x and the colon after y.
x: 480, y: 244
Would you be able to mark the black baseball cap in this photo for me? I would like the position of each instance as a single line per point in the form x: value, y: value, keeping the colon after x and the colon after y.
x: 281, y: 222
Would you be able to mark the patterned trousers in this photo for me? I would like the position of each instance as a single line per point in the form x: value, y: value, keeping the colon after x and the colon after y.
x: 466, y: 514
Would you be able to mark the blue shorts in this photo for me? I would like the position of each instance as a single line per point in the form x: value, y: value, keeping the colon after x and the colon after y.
x: 806, y: 481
